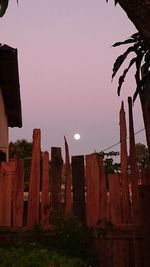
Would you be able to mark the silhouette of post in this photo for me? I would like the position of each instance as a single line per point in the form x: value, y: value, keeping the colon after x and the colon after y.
x: 133, y: 166
x: 124, y: 167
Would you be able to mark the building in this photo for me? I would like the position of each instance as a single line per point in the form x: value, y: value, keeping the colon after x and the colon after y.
x: 10, y: 102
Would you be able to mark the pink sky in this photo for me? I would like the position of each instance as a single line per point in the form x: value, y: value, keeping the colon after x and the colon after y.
x: 65, y: 64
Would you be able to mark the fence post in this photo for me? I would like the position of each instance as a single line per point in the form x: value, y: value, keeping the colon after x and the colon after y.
x: 56, y: 173
x: 45, y: 198
x: 124, y: 167
x: 103, y: 199
x: 68, y: 182
x: 144, y: 200
x: 133, y: 167
x: 78, y: 182
x: 115, y: 198
x: 17, y: 193
x: 92, y: 179
x: 34, y: 185
x: 7, y: 172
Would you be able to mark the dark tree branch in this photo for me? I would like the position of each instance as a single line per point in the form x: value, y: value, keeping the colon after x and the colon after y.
x: 138, y: 12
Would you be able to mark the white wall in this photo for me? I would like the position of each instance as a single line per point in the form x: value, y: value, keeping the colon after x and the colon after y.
x: 3, y: 127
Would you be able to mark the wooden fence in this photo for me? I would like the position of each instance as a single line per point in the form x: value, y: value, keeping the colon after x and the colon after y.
x: 84, y: 193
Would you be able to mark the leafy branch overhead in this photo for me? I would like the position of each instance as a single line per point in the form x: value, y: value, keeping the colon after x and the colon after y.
x: 4, y: 6
x: 141, y: 60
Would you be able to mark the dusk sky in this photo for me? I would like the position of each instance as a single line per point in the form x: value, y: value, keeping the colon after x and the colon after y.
x: 65, y: 66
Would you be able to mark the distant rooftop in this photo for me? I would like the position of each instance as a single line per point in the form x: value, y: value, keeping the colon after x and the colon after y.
x: 9, y: 84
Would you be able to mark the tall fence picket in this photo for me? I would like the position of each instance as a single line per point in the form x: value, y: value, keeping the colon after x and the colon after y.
x: 7, y: 171
x: 45, y: 197
x: 92, y: 181
x: 78, y: 183
x: 115, y: 198
x: 56, y: 173
x: 17, y: 193
x: 103, y: 197
x: 124, y: 168
x: 133, y: 166
x: 68, y: 183
x: 34, y: 186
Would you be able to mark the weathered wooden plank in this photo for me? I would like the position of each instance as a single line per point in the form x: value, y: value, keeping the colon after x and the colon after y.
x: 68, y: 182
x: 93, y: 188
x: 17, y: 193
x: 145, y: 176
x: 124, y: 166
x: 7, y: 171
x: 56, y: 173
x: 115, y: 198
x: 103, y: 199
x: 133, y: 166
x: 118, y: 253
x: 45, y: 197
x: 34, y: 185
x: 78, y: 183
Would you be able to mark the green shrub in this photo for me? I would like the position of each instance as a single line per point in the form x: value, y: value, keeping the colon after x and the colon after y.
x: 23, y: 257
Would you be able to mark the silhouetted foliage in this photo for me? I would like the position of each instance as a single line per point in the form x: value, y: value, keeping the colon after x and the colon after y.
x: 141, y: 59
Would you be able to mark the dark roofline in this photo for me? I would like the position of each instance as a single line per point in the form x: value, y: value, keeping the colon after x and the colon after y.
x: 9, y: 83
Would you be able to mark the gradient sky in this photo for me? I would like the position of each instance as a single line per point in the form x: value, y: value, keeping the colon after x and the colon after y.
x: 65, y: 66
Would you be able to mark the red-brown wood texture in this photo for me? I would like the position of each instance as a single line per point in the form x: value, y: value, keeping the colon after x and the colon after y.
x: 124, y: 167
x: 133, y: 166
x: 78, y: 183
x: 17, y: 193
x: 145, y: 176
x: 103, y: 198
x: 144, y: 200
x: 34, y: 186
x: 68, y: 182
x: 45, y: 197
x: 7, y: 170
x: 115, y: 199
x: 93, y: 187
x: 56, y: 175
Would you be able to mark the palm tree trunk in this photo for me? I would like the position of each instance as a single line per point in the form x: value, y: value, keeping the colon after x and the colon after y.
x: 145, y: 104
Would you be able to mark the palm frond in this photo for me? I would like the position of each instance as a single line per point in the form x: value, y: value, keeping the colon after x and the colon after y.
x: 128, y: 41
x: 122, y: 77
x: 119, y: 61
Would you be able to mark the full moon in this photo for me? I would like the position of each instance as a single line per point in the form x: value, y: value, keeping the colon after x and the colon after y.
x: 77, y: 136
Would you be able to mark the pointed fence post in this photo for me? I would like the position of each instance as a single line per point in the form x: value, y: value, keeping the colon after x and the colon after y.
x: 93, y: 189
x: 68, y: 182
x: 7, y: 173
x: 133, y: 166
x: 45, y: 198
x: 56, y: 175
x: 34, y: 185
x: 124, y: 167
x: 17, y: 193
x: 78, y: 182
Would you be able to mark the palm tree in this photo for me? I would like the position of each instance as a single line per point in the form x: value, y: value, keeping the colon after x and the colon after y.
x: 138, y: 12
x: 141, y: 60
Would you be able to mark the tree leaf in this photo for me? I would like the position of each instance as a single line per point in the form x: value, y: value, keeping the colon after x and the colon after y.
x: 128, y: 41
x: 3, y: 7
x: 119, y: 61
x: 140, y: 85
x: 122, y: 77
x: 135, y: 35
